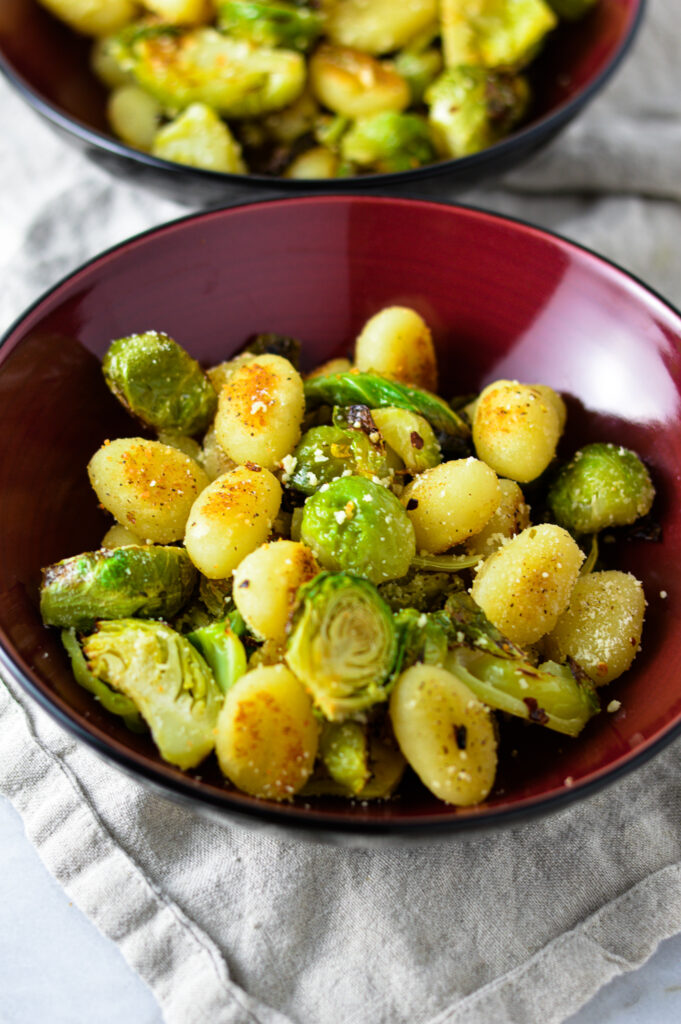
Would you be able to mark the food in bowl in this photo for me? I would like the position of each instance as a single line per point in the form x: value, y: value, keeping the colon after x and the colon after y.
x: 334, y: 582
x: 315, y: 91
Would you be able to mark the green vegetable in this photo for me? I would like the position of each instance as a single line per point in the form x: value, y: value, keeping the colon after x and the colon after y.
x: 159, y: 383
x: 572, y: 10
x: 424, y: 591
x: 494, y: 33
x: 114, y: 703
x: 419, y: 68
x: 422, y: 637
x: 223, y: 651
x: 550, y: 695
x: 388, y: 141
x: 352, y: 444
x: 445, y: 563
x: 112, y: 584
x: 198, y: 137
x: 602, y: 485
x: 410, y: 436
x: 343, y: 644
x: 270, y: 22
x: 371, y: 389
x: 470, y: 626
x: 344, y: 750
x: 217, y: 596
x: 276, y: 345
x: 471, y: 108
x: 201, y: 65
x: 358, y: 525
x: 167, y: 680
x: 386, y: 767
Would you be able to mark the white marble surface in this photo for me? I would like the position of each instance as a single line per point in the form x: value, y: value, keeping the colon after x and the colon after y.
x: 55, y: 967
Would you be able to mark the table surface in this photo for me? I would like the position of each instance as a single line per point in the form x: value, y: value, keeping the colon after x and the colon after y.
x: 55, y: 966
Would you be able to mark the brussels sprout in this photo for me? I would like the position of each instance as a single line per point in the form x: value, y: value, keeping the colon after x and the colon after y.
x: 329, y: 131
x: 344, y: 750
x: 343, y: 644
x: 114, y: 703
x: 197, y: 137
x: 201, y: 65
x: 378, y: 392
x: 222, y: 650
x: 444, y: 563
x: 494, y: 33
x: 183, y: 443
x: 471, y: 108
x: 602, y: 485
x: 572, y: 10
x: 270, y: 22
x: 421, y: 637
x: 470, y: 626
x: 419, y: 69
x: 167, y: 680
x: 159, y: 383
x: 561, y: 697
x: 144, y: 580
x: 410, y: 436
x: 360, y: 526
x: 217, y: 596
x: 424, y: 591
x: 386, y: 768
x: 388, y: 141
x: 326, y: 453
x: 275, y: 345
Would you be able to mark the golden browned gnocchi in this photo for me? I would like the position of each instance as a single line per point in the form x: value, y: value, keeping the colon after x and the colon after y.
x: 260, y: 409
x: 354, y: 84
x: 94, y: 17
x: 212, y: 458
x: 445, y: 733
x: 451, y: 502
x: 601, y: 628
x: 266, y: 583
x: 147, y: 486
x: 516, y: 429
x: 397, y: 342
x: 526, y: 585
x: 118, y: 536
x: 381, y: 26
x: 233, y: 516
x: 511, y: 517
x: 267, y: 735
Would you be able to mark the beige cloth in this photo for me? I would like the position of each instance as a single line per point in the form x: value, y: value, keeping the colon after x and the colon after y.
x: 232, y: 927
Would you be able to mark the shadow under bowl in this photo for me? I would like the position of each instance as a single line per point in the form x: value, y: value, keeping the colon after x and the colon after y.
x: 49, y: 65
x: 504, y: 300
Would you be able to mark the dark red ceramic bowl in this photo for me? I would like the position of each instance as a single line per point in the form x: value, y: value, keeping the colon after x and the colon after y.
x: 48, y: 64
x: 504, y: 300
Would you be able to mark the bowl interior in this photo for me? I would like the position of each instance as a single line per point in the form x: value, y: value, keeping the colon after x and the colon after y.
x: 51, y: 63
x: 504, y: 300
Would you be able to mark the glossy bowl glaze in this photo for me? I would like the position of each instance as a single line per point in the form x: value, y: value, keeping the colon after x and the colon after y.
x: 48, y: 64
x: 504, y: 300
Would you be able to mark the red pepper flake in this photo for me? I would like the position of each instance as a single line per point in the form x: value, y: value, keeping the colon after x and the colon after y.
x: 253, y: 467
x: 416, y: 440
x: 536, y: 714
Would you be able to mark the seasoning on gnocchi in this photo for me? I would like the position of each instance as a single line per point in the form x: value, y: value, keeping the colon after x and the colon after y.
x: 303, y: 89
x: 323, y: 582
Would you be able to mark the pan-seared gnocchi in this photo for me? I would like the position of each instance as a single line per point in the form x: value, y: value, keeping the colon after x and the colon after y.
x: 328, y: 562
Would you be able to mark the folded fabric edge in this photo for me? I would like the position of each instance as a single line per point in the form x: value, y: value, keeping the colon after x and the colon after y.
x: 182, y: 966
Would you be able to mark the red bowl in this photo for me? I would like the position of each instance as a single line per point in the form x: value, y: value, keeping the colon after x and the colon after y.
x: 504, y: 300
x: 49, y: 65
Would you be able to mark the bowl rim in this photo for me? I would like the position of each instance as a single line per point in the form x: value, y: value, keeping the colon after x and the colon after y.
x: 509, y: 147
x: 291, y: 817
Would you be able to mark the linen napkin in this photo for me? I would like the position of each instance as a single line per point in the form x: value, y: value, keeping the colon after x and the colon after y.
x: 236, y: 927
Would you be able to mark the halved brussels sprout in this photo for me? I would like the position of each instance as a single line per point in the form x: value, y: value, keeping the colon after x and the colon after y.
x: 270, y: 22
x: 113, y: 702
x: 602, y: 485
x: 360, y: 526
x: 114, y: 584
x: 386, y: 767
x: 201, y: 65
x: 270, y: 344
x: 561, y: 697
x: 424, y: 591
x: 343, y: 644
x: 377, y: 392
x: 410, y: 436
x: 472, y: 107
x: 422, y: 637
x: 419, y: 68
x: 344, y: 750
x: 470, y: 626
x: 159, y: 383
x: 222, y: 650
x: 388, y: 141
x: 167, y: 680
